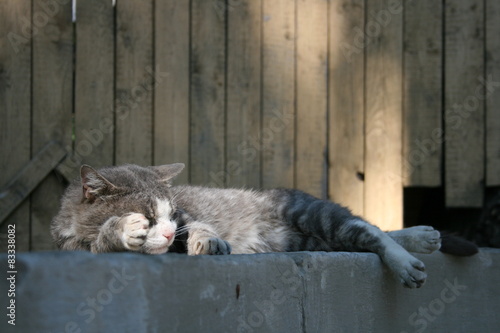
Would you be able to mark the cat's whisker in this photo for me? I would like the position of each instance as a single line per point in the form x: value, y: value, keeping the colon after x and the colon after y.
x: 182, y: 230
x: 185, y: 226
x: 174, y: 198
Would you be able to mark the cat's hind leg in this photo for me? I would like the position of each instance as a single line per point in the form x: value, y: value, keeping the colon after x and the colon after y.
x: 342, y: 231
x: 419, y: 239
x: 408, y: 269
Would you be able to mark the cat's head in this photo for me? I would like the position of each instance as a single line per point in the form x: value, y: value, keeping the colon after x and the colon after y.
x: 139, y: 197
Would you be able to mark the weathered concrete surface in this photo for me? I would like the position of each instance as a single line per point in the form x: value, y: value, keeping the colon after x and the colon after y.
x: 297, y: 292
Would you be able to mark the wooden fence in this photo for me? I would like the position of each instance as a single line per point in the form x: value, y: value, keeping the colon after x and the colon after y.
x: 347, y: 99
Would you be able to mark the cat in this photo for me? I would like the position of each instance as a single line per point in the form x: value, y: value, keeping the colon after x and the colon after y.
x: 134, y: 208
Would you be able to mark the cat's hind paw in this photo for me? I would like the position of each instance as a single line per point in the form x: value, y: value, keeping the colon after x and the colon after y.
x: 419, y: 239
x: 135, y: 228
x: 408, y: 269
x: 213, y: 245
x: 429, y: 239
x: 413, y: 274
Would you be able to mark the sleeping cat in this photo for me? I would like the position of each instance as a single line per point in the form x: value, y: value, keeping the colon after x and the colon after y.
x: 133, y: 208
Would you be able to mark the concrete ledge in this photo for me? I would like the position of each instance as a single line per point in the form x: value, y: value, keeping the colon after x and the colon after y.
x: 276, y: 292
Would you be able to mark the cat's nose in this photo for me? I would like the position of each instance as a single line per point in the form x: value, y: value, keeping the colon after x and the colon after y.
x: 169, y: 235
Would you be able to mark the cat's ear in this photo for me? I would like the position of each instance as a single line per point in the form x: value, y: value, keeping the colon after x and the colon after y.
x: 168, y: 172
x: 94, y: 184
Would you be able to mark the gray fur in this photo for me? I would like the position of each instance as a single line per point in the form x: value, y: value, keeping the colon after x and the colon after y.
x: 132, y: 208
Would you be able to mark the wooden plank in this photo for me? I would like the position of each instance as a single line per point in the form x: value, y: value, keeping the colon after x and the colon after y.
x: 423, y: 134
x: 383, y: 133
x: 15, y: 106
x: 94, y: 85
x: 134, y: 82
x: 464, y: 103
x: 171, y: 98
x: 94, y: 89
x: 68, y: 168
x: 53, y: 51
x: 312, y: 78
x: 207, y: 93
x: 278, y: 109
x: 493, y: 97
x: 243, y: 94
x: 346, y: 104
x: 20, y: 187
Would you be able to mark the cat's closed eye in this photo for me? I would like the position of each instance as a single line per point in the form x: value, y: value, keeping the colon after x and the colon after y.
x: 152, y: 220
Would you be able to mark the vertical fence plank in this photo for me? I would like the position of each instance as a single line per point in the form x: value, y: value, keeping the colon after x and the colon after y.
x: 53, y: 51
x: 423, y: 133
x: 290, y: 150
x: 312, y: 78
x: 278, y: 109
x: 171, y: 98
x: 464, y: 103
x: 383, y: 179
x: 15, y: 106
x: 94, y: 84
x: 493, y: 97
x: 346, y: 103
x: 243, y: 93
x: 134, y: 82
x: 208, y: 92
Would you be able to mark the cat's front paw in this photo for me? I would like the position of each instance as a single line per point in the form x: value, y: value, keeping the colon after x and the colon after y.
x: 212, y: 245
x: 135, y: 228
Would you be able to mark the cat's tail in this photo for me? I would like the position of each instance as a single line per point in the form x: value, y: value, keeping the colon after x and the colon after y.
x: 457, y: 246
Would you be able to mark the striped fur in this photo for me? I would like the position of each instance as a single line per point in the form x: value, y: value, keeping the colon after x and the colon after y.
x: 132, y: 208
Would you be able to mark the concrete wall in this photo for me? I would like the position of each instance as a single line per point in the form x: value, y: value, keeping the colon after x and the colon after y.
x: 297, y: 292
